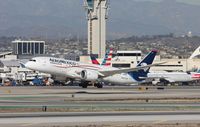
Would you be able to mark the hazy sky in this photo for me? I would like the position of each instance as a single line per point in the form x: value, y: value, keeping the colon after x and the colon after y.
x: 67, y: 17
x: 185, y: 1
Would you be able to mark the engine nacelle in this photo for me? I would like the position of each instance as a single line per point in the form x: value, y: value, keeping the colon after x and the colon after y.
x: 89, y: 75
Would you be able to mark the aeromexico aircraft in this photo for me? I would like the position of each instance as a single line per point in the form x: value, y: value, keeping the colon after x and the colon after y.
x: 92, y: 73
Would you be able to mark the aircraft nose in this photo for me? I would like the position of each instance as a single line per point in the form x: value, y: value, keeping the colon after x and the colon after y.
x: 28, y: 65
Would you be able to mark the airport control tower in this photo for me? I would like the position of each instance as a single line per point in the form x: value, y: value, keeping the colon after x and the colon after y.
x: 96, y: 16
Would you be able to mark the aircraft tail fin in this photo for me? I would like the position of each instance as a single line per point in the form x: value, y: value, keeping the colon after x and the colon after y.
x: 148, y: 60
x: 94, y: 60
x: 108, y: 58
x: 198, y: 71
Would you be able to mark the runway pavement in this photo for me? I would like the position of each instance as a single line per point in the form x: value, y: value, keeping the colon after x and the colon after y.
x: 109, y: 118
x: 112, y: 103
x: 25, y: 99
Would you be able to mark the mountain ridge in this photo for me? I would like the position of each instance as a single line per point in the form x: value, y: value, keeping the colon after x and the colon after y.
x: 63, y: 18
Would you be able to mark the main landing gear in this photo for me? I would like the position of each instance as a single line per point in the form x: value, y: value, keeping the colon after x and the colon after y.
x: 98, y: 85
x: 84, y: 84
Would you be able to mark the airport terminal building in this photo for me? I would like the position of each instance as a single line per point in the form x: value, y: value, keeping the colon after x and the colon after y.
x: 21, y: 47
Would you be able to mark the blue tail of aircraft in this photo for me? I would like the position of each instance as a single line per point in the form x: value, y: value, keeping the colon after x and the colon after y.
x: 146, y: 61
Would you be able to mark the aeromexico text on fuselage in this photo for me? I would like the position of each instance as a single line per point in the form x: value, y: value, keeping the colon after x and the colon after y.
x: 60, y: 62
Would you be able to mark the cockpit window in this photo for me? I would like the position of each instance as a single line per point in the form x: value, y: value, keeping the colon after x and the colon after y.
x: 33, y: 60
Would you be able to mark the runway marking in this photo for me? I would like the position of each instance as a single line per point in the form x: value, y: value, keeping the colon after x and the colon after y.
x: 159, y: 121
x: 27, y: 124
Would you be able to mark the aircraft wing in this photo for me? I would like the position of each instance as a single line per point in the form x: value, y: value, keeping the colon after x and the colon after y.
x: 112, y: 72
x: 153, y: 77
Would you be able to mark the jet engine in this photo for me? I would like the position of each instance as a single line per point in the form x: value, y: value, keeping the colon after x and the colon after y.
x: 89, y: 75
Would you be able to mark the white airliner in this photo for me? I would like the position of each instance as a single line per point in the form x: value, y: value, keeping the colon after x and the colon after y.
x: 90, y: 72
x: 174, y: 77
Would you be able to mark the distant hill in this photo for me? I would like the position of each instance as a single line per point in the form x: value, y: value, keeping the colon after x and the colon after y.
x: 52, y: 18
x: 152, y: 18
x: 63, y: 18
